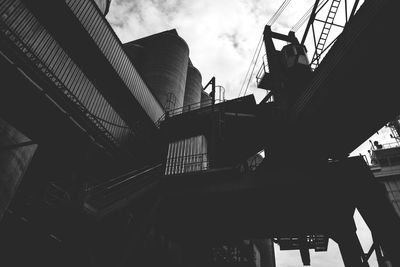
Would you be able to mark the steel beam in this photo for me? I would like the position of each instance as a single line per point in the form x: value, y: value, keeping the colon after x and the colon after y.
x: 310, y: 21
x: 351, y: 250
x: 380, y: 216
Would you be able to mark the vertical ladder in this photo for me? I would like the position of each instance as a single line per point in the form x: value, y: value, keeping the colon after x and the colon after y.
x: 324, y: 34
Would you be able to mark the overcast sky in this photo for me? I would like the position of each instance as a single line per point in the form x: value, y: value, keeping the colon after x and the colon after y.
x: 222, y: 36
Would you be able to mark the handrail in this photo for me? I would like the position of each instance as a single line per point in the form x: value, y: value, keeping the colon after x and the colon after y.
x: 264, y: 68
x: 104, y: 184
x: 134, y: 176
x: 385, y: 161
x: 123, y: 179
x: 186, y: 109
x: 63, y: 93
x: 204, y: 105
x: 387, y: 145
x: 221, y: 93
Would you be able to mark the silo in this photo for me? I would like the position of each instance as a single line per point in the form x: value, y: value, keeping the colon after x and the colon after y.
x: 136, y: 53
x: 104, y: 5
x: 193, y: 86
x: 205, y: 99
x: 163, y: 64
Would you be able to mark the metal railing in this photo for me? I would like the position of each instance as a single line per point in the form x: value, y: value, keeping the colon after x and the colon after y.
x: 319, y: 242
x: 385, y: 161
x: 117, y: 188
x: 114, y: 132
x: 187, y: 108
x: 382, y: 159
x: 387, y: 146
x: 121, y: 179
x: 187, y: 164
x: 365, y: 158
x: 264, y: 68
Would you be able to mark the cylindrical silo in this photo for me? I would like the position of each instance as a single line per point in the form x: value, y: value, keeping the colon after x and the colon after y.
x: 205, y: 99
x: 193, y: 86
x: 14, y: 160
x: 163, y: 64
x: 136, y: 53
x: 104, y: 5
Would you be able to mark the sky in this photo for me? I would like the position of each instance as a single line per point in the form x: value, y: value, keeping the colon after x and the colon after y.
x: 222, y: 36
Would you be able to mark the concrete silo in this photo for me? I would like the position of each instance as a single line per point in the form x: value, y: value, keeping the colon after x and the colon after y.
x: 162, y: 60
x: 193, y: 86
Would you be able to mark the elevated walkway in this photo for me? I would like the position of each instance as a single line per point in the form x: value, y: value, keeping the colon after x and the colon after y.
x: 82, y: 73
x: 231, y: 129
x: 234, y: 204
x: 24, y: 105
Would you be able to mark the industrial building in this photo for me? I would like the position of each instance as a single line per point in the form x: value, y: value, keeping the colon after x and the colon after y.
x: 113, y: 154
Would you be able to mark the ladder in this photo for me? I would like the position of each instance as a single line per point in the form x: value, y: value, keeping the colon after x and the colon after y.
x: 324, y: 34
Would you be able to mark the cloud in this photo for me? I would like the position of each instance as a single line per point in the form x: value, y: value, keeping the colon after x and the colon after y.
x: 222, y: 36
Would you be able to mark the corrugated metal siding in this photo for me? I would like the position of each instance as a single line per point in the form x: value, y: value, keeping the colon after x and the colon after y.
x: 103, y: 35
x: 102, y: 4
x: 15, y: 18
x: 187, y: 155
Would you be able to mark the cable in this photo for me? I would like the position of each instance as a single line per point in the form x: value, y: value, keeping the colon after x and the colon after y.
x: 305, y: 17
x: 252, y: 71
x: 278, y: 12
x: 251, y: 62
x: 259, y: 45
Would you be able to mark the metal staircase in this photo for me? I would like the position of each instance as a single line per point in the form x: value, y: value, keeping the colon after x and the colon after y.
x: 119, y: 192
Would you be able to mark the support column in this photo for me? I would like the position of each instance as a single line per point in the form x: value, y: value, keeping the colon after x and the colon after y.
x: 381, y: 218
x: 351, y: 250
x: 267, y: 252
x: 382, y: 262
x: 304, y: 252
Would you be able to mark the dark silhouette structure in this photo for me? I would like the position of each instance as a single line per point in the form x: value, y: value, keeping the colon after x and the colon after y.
x: 113, y: 154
